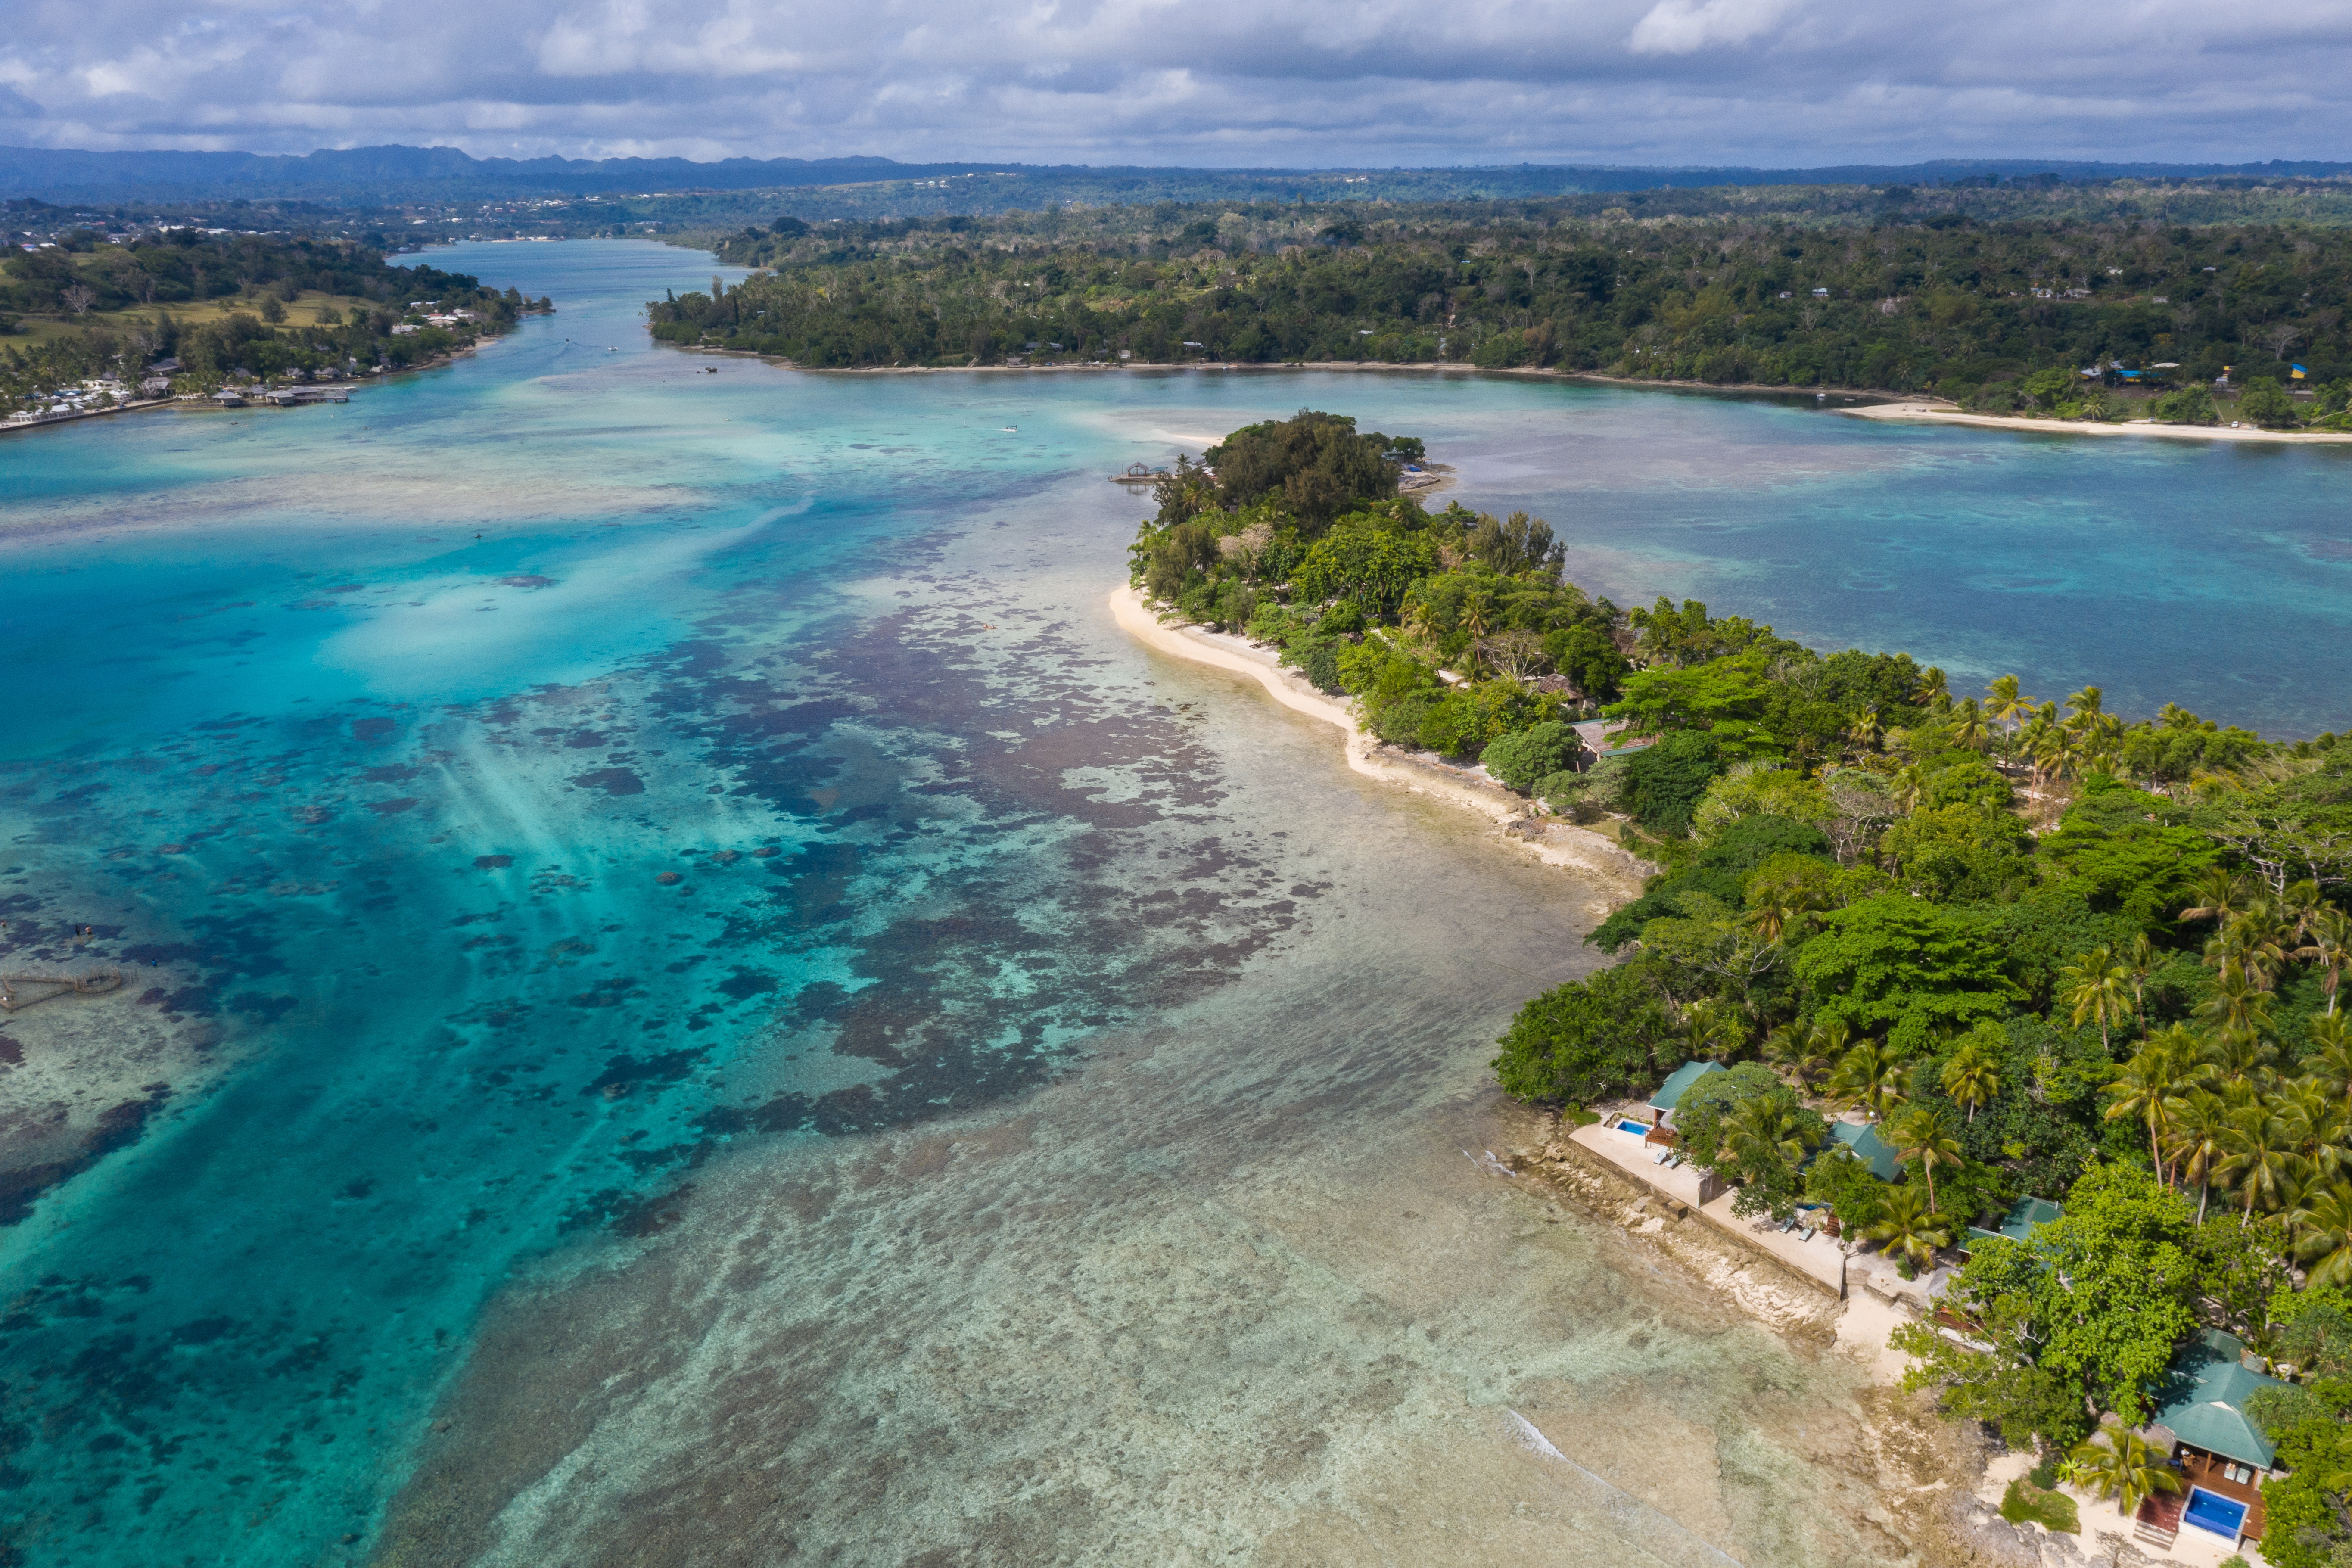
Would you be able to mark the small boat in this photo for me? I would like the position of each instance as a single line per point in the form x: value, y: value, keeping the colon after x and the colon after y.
x: 1012, y: 429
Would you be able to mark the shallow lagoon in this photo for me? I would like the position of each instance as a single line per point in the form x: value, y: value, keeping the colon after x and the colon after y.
x: 735, y: 1001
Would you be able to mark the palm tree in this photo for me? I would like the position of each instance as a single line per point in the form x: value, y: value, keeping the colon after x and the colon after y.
x: 1909, y: 1229
x: 1972, y: 1077
x: 2096, y: 986
x: 2055, y: 753
x: 2004, y: 705
x: 1825, y: 1042
x: 2238, y: 1005
x: 2255, y: 942
x: 1475, y: 611
x: 1922, y: 1135
x: 1864, y: 732
x: 2158, y: 1072
x: 1908, y: 785
x: 2125, y: 1467
x: 2330, y: 1060
x: 2242, y: 1057
x: 2298, y: 907
x: 2323, y: 1234
x: 2327, y: 941
x: 2196, y: 1122
x: 1969, y: 727
x: 1870, y: 1076
x: 1766, y: 1131
x: 2141, y: 959
x: 2315, y: 1122
x: 2086, y: 703
x: 2219, y: 895
x: 2257, y: 1156
x: 1779, y: 907
x: 1713, y: 1029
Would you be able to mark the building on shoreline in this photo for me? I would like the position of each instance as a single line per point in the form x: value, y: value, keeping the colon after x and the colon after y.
x: 2222, y: 1456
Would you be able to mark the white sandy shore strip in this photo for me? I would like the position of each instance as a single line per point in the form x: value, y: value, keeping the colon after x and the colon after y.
x: 1612, y: 873
x: 1939, y: 414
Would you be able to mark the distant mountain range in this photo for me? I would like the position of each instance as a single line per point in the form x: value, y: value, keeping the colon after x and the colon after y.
x: 368, y: 175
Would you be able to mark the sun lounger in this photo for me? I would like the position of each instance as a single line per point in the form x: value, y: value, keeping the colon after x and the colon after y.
x: 1805, y: 1234
x: 1660, y: 1157
x: 1788, y: 1224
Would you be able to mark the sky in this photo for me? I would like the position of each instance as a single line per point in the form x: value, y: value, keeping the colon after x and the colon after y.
x: 1203, y: 82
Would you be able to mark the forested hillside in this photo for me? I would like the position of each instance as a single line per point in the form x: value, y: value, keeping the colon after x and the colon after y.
x: 1939, y: 302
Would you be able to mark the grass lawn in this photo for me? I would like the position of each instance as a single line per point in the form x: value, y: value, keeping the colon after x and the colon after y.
x: 2053, y: 1510
x: 302, y: 312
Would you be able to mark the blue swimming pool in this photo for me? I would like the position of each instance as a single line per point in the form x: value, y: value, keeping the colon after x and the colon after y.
x: 1638, y: 1128
x: 2211, y: 1510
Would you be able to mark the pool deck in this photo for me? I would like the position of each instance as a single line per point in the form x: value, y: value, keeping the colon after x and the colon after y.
x: 1820, y: 1260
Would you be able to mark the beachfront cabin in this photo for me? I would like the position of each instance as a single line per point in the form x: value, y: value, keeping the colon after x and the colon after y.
x: 1602, y: 738
x: 1670, y: 1094
x: 2220, y: 1456
x: 1864, y: 1143
x: 2025, y: 1217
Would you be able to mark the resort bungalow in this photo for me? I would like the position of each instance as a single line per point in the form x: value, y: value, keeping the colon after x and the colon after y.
x: 1670, y: 1093
x: 2025, y: 1217
x: 2222, y: 1456
x: 1603, y: 738
x: 1867, y: 1146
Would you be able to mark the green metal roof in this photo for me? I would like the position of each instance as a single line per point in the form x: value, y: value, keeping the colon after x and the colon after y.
x: 1869, y: 1148
x: 2025, y: 1217
x: 2204, y: 1396
x: 1683, y: 1077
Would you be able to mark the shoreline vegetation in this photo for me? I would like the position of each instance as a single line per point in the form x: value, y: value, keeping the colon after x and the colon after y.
x: 2079, y: 320
x: 2031, y: 1012
x: 177, y: 316
x: 1615, y: 873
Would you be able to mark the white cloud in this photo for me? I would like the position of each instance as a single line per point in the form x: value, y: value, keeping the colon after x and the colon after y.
x: 1223, y: 81
x: 1679, y: 28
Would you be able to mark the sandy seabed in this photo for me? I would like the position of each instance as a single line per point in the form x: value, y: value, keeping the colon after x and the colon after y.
x: 1241, y: 1286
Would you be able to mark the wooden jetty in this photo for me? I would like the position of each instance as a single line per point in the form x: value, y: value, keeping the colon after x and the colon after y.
x: 1140, y: 474
x: 18, y: 992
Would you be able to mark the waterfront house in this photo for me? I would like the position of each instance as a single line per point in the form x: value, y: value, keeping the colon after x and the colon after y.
x: 1863, y: 1142
x: 1670, y: 1094
x: 2220, y: 1456
x: 2025, y: 1217
x: 1607, y: 738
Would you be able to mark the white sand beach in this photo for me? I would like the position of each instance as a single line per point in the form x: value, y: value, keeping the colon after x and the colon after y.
x: 1613, y: 873
x: 1945, y: 413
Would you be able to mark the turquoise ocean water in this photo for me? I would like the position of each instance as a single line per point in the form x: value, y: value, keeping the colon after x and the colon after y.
x: 576, y: 823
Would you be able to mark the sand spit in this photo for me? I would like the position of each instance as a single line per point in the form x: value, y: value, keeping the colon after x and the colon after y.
x: 1944, y: 413
x: 1614, y: 874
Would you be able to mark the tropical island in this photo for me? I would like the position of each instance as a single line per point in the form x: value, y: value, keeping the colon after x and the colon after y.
x: 2040, y: 1003
x: 94, y: 321
x: 2069, y: 319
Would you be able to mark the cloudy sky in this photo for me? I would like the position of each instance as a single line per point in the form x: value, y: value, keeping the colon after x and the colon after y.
x: 1295, y: 82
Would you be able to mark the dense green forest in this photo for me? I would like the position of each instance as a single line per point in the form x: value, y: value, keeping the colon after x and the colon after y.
x: 219, y: 305
x: 2006, y: 314
x: 2050, y: 952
